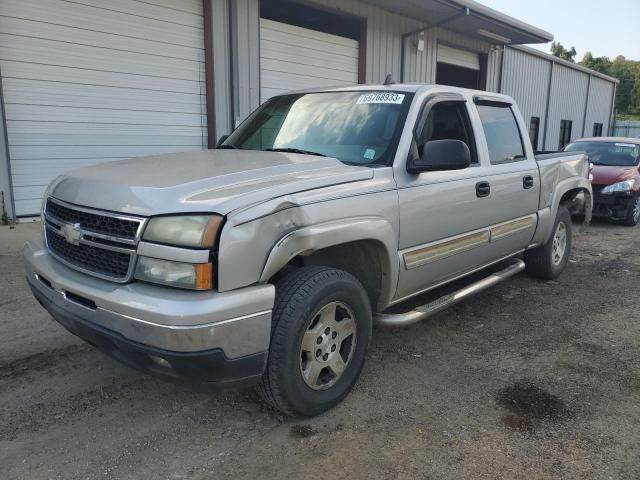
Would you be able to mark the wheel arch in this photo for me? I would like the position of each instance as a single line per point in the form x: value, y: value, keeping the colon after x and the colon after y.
x: 364, y: 247
x: 566, y: 194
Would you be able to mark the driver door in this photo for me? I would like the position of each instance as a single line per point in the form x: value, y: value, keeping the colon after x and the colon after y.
x: 444, y: 215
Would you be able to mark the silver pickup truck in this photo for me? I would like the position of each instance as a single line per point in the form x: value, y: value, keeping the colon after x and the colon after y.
x: 268, y: 259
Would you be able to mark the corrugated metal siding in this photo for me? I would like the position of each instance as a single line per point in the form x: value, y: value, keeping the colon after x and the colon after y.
x: 526, y: 79
x: 599, y: 108
x: 384, y: 31
x: 567, y: 102
x: 88, y: 81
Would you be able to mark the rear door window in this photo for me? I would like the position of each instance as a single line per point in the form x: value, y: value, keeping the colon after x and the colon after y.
x: 502, y: 133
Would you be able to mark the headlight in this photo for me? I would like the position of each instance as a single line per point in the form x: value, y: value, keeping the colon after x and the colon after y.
x: 621, y: 187
x: 197, y: 276
x: 195, y: 231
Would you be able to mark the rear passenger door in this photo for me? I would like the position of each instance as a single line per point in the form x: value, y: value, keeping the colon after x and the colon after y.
x: 513, y: 177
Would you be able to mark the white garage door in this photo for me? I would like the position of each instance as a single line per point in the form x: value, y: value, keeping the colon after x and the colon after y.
x: 91, y: 81
x: 295, y: 58
x: 460, y: 58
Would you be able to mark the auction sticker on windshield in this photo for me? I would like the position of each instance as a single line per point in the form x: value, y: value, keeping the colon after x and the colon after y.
x: 382, y: 97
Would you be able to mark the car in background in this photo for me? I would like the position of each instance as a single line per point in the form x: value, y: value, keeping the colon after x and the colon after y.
x: 616, y: 176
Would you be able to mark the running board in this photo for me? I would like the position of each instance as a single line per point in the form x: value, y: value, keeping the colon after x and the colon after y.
x: 431, y: 308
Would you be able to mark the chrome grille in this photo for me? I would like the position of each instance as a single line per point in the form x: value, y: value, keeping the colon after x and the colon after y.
x: 95, y: 222
x: 99, y: 243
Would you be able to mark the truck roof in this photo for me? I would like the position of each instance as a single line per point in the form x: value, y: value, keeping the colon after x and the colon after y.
x: 405, y: 87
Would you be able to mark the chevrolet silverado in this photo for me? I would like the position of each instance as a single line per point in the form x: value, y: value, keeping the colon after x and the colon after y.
x: 268, y: 259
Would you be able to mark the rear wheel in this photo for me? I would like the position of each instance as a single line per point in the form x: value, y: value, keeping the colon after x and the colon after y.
x: 321, y: 329
x: 548, y: 261
x: 633, y: 212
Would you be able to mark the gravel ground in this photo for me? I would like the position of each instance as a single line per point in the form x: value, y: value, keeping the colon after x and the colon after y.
x: 527, y: 380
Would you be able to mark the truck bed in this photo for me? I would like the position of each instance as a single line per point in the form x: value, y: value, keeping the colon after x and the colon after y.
x: 546, y: 155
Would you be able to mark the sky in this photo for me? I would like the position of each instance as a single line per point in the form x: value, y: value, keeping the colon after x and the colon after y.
x: 607, y: 28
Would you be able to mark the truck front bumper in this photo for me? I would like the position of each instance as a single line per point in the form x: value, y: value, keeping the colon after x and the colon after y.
x: 206, y: 338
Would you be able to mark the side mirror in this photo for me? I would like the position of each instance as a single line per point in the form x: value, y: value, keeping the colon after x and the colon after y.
x: 441, y: 155
x: 221, y: 139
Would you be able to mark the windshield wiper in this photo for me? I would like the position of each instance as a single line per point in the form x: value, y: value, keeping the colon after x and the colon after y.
x: 294, y: 150
x: 227, y: 147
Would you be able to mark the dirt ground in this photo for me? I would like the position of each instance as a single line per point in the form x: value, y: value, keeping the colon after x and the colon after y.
x: 527, y: 380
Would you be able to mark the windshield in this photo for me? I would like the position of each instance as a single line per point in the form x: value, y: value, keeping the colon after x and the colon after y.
x: 618, y: 154
x: 358, y: 128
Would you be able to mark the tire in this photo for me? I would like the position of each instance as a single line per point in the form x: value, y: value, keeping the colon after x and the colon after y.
x: 633, y: 212
x: 307, y: 299
x: 545, y: 262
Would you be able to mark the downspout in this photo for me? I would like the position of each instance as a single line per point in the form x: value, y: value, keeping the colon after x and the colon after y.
x: 586, y: 106
x: 8, y: 205
x: 209, y: 74
x: 546, y: 111
x: 502, y: 62
x: 403, y: 38
x: 612, y: 115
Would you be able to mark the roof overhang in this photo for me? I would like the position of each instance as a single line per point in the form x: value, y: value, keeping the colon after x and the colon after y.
x: 482, y: 22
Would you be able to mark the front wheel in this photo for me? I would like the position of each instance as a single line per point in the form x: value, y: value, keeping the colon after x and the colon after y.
x: 321, y: 329
x: 633, y: 212
x: 548, y: 261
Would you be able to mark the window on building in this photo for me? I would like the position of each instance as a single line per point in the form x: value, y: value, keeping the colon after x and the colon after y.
x: 534, y: 131
x: 502, y: 133
x: 597, y: 129
x: 565, y: 133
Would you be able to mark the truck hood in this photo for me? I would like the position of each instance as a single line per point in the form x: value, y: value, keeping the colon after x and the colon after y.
x: 607, y: 175
x: 201, y: 181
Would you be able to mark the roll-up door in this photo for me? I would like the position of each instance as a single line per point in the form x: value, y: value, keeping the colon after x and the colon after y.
x: 295, y: 58
x: 91, y: 81
x: 460, y: 58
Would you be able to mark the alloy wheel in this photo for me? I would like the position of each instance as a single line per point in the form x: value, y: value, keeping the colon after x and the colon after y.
x: 328, y: 345
x: 559, y: 244
x: 636, y: 210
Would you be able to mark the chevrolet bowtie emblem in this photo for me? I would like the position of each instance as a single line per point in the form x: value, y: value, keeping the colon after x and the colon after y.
x: 71, y: 233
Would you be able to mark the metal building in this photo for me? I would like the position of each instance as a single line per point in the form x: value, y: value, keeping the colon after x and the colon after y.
x: 561, y: 101
x: 90, y: 81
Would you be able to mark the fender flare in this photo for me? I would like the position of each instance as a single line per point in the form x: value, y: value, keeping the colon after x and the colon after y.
x: 548, y: 215
x: 311, y: 238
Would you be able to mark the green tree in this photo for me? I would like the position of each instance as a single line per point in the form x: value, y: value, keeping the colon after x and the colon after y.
x: 627, y: 71
x: 559, y: 51
x: 599, y: 64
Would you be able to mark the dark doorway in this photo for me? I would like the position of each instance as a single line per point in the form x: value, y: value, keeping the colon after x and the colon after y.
x: 455, y: 76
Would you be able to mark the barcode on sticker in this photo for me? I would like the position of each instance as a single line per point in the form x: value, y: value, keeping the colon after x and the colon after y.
x: 383, y: 97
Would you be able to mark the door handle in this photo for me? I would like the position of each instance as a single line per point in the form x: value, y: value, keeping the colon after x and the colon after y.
x: 483, y: 189
x: 527, y: 182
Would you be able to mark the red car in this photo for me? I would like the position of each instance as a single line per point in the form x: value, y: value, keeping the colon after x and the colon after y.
x: 616, y: 176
